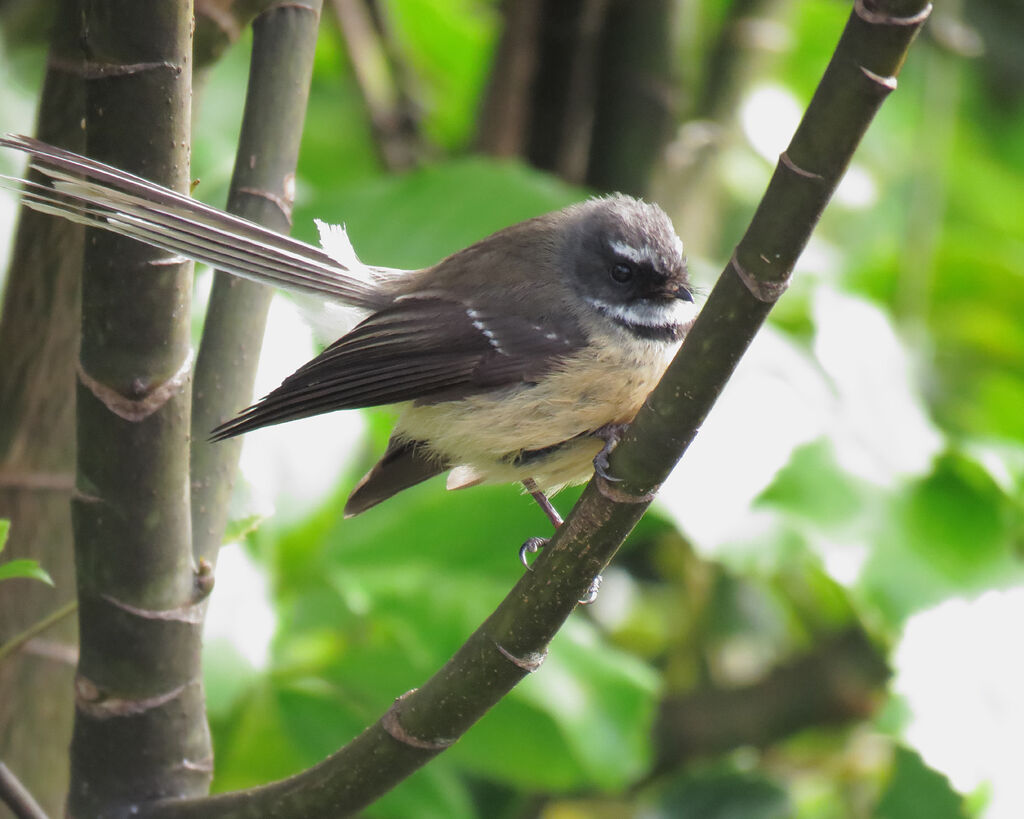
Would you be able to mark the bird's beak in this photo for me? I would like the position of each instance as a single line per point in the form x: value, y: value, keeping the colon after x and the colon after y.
x: 679, y: 291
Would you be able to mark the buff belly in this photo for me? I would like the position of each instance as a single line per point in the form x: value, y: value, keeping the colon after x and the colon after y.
x: 485, y: 436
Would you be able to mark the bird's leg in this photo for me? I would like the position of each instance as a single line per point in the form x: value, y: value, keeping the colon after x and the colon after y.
x: 542, y: 501
x: 611, y: 434
x: 535, y: 544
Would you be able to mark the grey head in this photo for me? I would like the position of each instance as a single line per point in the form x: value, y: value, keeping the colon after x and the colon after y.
x: 627, y: 263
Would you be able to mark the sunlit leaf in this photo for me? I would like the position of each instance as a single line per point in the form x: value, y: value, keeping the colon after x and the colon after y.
x: 915, y: 790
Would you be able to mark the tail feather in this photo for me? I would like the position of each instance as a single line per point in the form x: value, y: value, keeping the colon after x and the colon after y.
x: 99, y: 195
x: 405, y: 464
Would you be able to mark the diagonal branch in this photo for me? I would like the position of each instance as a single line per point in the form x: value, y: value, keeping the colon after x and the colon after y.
x: 17, y: 797
x: 512, y: 642
x: 393, y: 113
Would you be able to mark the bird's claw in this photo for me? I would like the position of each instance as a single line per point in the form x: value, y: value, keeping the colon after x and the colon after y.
x: 611, y: 434
x: 592, y: 591
x: 601, y: 465
x: 535, y: 544
x: 531, y: 547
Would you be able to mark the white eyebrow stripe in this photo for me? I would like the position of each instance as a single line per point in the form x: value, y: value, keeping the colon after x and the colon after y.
x: 637, y: 255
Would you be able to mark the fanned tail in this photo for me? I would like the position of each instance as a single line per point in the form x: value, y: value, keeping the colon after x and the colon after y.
x: 99, y: 195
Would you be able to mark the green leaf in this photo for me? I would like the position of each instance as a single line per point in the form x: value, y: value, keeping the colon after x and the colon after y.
x: 433, y: 792
x: 915, y: 790
x: 449, y: 44
x: 950, y: 532
x: 724, y: 794
x: 812, y: 486
x: 238, y: 528
x: 227, y: 677
x: 23, y: 567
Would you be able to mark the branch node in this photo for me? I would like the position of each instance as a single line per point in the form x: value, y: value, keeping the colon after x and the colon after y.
x: 286, y: 5
x: 79, y: 496
x: 764, y: 291
x: 204, y: 765
x: 531, y: 662
x: 204, y: 579
x: 37, y: 481
x: 617, y: 495
x: 91, y: 701
x: 192, y: 613
x: 875, y: 17
x: 282, y: 203
x: 91, y: 70
x: 137, y: 409
x: 887, y: 83
x: 785, y: 159
x: 389, y: 722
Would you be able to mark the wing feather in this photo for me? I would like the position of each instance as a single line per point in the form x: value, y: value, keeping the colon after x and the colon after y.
x: 421, y: 349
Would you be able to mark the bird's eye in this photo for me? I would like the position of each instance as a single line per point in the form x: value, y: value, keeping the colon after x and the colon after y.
x: 622, y: 272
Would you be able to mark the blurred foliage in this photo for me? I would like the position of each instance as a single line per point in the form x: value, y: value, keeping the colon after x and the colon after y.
x: 368, y: 608
x: 916, y: 790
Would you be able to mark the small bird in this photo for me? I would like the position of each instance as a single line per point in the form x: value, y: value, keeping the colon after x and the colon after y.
x: 520, y: 358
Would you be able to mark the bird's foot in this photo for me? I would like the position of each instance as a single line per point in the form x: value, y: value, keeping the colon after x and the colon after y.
x: 592, y: 591
x: 531, y: 547
x: 534, y: 545
x: 611, y: 434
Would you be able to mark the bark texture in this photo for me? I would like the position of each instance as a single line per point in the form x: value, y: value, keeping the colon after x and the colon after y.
x: 140, y: 729
x: 39, y: 340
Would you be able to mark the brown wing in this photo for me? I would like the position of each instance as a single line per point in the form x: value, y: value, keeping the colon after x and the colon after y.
x: 420, y: 349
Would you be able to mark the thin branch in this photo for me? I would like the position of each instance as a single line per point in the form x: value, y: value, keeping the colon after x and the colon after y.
x: 18, y: 640
x: 513, y: 641
x: 392, y: 115
x: 17, y: 797
x: 262, y: 189
x: 573, y: 149
x: 504, y: 120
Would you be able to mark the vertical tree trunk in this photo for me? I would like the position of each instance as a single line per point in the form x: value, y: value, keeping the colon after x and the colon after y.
x: 581, y: 88
x: 140, y: 730
x: 635, y: 109
x: 262, y: 189
x: 39, y: 339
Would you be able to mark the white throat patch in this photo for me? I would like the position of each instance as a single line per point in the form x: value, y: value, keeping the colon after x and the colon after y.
x: 649, y: 313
